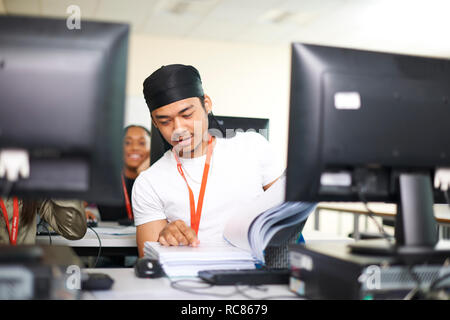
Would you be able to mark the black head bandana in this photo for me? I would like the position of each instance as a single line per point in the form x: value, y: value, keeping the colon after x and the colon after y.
x: 172, y: 83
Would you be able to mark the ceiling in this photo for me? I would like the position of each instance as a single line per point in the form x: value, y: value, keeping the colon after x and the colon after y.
x: 410, y: 26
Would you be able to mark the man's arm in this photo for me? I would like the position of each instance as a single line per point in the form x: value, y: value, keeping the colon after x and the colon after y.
x: 148, y: 232
x: 175, y: 233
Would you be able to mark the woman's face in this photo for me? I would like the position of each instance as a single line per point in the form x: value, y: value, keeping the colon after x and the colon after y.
x: 136, y: 147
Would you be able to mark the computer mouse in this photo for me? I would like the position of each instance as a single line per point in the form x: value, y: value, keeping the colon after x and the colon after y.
x: 92, y: 223
x: 148, y: 268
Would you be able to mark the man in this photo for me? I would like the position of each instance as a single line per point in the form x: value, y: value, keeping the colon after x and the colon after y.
x: 188, y: 194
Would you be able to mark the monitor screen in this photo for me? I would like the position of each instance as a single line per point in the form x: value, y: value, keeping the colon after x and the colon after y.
x: 370, y: 126
x: 221, y: 126
x: 63, y: 94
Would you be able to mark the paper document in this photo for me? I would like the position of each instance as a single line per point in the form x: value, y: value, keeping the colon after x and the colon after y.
x: 253, y: 225
x: 187, y: 261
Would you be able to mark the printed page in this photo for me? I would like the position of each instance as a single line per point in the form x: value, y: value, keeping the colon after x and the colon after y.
x: 187, y: 261
x: 216, y: 251
x: 238, y: 225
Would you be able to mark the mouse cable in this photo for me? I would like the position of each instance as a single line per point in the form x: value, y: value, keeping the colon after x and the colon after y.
x: 99, y: 246
x: 48, y: 231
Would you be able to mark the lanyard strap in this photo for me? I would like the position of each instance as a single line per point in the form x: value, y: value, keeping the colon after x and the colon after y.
x: 196, y: 214
x: 15, y: 222
x: 127, y: 200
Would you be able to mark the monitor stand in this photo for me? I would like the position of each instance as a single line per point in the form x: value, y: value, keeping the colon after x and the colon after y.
x: 416, y: 235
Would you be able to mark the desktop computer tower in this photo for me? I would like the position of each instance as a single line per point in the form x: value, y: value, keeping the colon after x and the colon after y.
x: 30, y: 272
x: 331, y: 271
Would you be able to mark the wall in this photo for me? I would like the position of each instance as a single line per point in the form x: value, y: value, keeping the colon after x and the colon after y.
x: 241, y: 79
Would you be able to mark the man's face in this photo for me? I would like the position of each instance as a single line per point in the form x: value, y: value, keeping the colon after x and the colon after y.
x: 184, y: 124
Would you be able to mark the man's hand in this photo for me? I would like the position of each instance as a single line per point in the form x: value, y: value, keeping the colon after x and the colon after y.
x: 178, y: 233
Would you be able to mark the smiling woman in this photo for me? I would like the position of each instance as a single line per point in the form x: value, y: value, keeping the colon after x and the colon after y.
x: 136, y: 150
x: 136, y: 158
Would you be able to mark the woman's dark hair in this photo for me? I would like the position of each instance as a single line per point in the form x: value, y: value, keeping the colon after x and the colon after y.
x: 29, y: 210
x: 136, y: 126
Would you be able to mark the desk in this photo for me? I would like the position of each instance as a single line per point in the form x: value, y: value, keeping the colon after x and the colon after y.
x: 383, y: 210
x: 313, y: 236
x: 121, y: 245
x: 112, y: 245
x: 129, y: 287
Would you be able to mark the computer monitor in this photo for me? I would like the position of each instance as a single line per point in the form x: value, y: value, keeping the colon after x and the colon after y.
x: 222, y: 126
x: 62, y: 105
x: 370, y: 126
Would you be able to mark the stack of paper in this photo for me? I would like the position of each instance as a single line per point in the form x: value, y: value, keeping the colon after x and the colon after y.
x: 187, y: 261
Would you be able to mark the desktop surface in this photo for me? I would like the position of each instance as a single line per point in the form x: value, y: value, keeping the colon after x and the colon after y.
x: 129, y: 287
x: 114, y: 240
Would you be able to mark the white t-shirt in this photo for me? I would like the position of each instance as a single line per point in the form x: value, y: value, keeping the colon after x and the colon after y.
x: 240, y: 167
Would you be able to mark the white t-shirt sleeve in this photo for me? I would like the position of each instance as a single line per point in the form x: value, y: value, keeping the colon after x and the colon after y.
x: 147, y: 206
x: 269, y: 162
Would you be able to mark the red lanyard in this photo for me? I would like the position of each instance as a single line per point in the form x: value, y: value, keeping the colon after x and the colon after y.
x: 127, y: 200
x: 15, y: 222
x: 196, y: 215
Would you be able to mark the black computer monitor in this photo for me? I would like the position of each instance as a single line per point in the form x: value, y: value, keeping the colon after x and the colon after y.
x: 62, y: 102
x: 370, y: 126
x: 222, y: 126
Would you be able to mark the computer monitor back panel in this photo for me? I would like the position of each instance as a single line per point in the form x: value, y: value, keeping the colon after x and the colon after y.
x: 359, y: 109
x: 64, y: 77
x: 62, y: 100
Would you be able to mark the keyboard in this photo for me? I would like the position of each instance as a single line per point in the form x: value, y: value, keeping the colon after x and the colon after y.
x: 248, y: 277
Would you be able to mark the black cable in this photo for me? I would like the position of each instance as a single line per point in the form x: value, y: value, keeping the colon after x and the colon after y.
x: 433, y: 286
x: 48, y: 232
x: 388, y: 238
x: 372, y: 215
x: 293, y: 296
x: 417, y: 288
x: 99, y: 246
x: 436, y: 282
x: 43, y: 223
x: 177, y: 284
